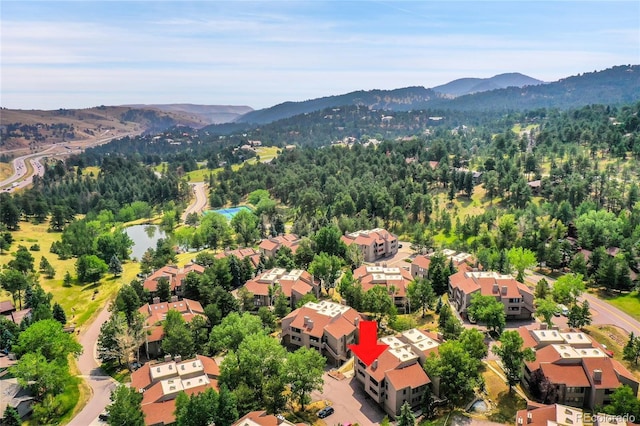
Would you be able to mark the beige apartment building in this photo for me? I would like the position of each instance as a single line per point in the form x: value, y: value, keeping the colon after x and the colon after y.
x: 325, y: 326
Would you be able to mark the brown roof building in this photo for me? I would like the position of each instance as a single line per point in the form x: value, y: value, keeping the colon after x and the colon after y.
x: 397, y: 375
x: 325, y: 326
x: 375, y: 243
x: 549, y: 415
x: 394, y: 279
x: 261, y: 418
x: 156, y: 313
x: 242, y: 253
x: 160, y: 383
x: 270, y: 246
x: 295, y: 284
x: 578, y: 368
x: 516, y: 297
x: 420, y: 265
x: 174, y: 275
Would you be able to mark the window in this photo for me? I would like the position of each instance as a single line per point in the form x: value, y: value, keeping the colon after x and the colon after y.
x: 295, y: 330
x: 373, y: 391
x: 404, y: 391
x: 374, y: 381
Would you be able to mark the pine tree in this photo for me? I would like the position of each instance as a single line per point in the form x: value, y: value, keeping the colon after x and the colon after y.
x: 631, y: 351
x: 59, y: 314
x: 406, y: 416
x: 66, y: 282
x: 115, y: 267
x: 11, y: 417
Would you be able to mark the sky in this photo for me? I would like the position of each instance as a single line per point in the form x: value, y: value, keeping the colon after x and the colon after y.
x: 78, y: 54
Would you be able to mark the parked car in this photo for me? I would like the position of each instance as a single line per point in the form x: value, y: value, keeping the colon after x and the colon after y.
x: 325, y: 412
x: 563, y: 310
x: 104, y: 416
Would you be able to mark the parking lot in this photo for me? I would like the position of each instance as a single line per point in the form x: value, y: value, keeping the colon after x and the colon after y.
x: 349, y: 401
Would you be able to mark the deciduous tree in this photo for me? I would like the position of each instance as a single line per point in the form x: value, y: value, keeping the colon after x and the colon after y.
x: 488, y: 310
x: 513, y: 356
x: 303, y: 372
x: 125, y: 409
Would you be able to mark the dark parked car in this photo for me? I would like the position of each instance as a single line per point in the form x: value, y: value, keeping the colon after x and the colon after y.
x: 104, y: 416
x: 325, y: 412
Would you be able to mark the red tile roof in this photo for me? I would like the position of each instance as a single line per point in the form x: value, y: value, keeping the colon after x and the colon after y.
x: 609, y: 378
x: 569, y: 375
x: 412, y: 376
x: 6, y: 306
x: 539, y: 416
x: 528, y: 340
x: 159, y: 412
x: 422, y: 261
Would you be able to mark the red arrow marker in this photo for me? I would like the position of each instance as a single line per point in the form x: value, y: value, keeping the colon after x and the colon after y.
x: 368, y: 349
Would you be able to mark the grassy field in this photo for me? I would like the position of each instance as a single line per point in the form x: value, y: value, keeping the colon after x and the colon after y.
x: 615, y: 339
x: 504, y: 404
x: 266, y: 153
x: 628, y: 303
x: 80, y: 301
x: 87, y: 171
x: 517, y: 128
x: 6, y: 170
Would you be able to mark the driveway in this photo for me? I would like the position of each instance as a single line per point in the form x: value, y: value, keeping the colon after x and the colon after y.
x: 349, y: 401
x: 101, y: 384
x: 398, y: 259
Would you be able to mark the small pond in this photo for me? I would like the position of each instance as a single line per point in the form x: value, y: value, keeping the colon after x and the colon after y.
x: 144, y: 237
x: 480, y: 406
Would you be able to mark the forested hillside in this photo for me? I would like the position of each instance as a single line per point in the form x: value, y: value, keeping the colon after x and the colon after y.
x: 614, y: 86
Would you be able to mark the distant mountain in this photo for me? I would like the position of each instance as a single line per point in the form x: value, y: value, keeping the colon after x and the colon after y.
x: 467, y: 86
x: 393, y: 100
x: 205, y: 114
x: 613, y: 86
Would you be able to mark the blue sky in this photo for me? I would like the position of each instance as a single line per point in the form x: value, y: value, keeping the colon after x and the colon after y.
x: 78, y: 54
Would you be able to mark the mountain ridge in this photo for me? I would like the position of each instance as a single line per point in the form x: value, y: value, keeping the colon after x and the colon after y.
x: 470, y: 85
x: 615, y: 85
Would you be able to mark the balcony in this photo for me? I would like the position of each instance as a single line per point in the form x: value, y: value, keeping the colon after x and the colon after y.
x: 333, y: 353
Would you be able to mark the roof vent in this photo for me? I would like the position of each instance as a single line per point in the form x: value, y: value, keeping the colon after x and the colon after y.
x: 374, y: 365
x: 597, y: 375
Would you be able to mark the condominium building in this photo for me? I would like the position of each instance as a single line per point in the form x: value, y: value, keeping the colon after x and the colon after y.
x: 326, y: 326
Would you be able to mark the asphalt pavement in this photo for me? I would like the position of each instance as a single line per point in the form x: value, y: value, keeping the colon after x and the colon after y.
x: 101, y: 383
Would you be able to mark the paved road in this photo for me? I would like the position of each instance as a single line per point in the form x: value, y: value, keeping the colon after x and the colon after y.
x: 603, y: 313
x: 101, y: 384
x: 199, y: 203
x: 20, y: 168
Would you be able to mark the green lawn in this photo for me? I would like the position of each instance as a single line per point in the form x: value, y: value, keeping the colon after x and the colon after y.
x: 80, y: 301
x: 266, y: 153
x: 628, y: 303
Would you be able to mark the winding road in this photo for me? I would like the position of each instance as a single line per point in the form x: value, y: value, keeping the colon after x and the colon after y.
x: 101, y: 383
x: 20, y: 170
x: 199, y: 204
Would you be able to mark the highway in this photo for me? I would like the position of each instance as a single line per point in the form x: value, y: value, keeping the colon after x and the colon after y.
x: 23, y: 174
